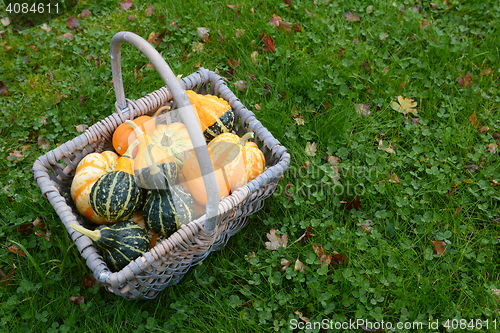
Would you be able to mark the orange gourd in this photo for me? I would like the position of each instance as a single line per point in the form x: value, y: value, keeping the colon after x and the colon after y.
x: 125, y: 134
x: 174, y: 139
x: 192, y: 180
x: 88, y: 171
x: 241, y: 160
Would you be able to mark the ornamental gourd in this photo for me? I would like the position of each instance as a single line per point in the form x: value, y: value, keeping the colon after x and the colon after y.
x: 174, y: 139
x: 115, y: 196
x: 165, y: 170
x: 242, y: 160
x: 119, y: 243
x: 214, y: 114
x: 124, y: 134
x: 139, y: 220
x: 88, y: 171
x: 165, y: 210
x: 192, y: 180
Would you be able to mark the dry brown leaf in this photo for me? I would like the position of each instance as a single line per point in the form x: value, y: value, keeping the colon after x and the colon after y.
x: 491, y: 147
x: 299, y: 266
x: 78, y: 300
x: 4, y: 89
x: 239, y: 33
x: 150, y: 10
x: 301, y: 316
x: 274, y: 20
x: 85, y: 13
x: 254, y: 56
x: 486, y: 72
x: 353, y: 204
x: 81, y: 128
x: 43, y: 143
x: 152, y: 36
x: 126, y: 4
x: 394, y: 178
x: 241, y: 85
x: 5, y: 278
x: 311, y: 148
x: 90, y: 281
x: 334, y: 163
x: 362, y: 109
x: 484, y: 129
x: 275, y: 240
x: 72, y: 23
x: 202, y: 33
x: 15, y: 156
x: 285, y: 263
x: 473, y: 119
x: 5, y: 21
x: 465, y: 80
x: 68, y: 36
x: 324, y: 258
x: 233, y: 63
x: 352, y: 17
x: 367, y: 226
x: 494, y: 183
x: 15, y: 249
x: 268, y: 42
x: 198, y: 47
x: 258, y: 107
x: 439, y: 246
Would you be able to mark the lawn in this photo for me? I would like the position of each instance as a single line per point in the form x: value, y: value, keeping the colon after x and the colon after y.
x: 390, y: 207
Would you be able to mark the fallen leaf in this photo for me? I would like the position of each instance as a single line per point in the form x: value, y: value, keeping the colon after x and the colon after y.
x: 268, y: 43
x: 362, y: 109
x: 491, y: 147
x: 486, y: 72
x: 150, y: 10
x: 258, y: 107
x: 202, y: 33
x: 306, y: 235
x: 241, y: 85
x: 43, y: 143
x: 309, y: 13
x: 352, y: 204
x: 25, y: 229
x: 326, y: 259
x: 239, y: 33
x: 5, y: 21
x: 388, y: 148
x: 81, y: 128
x: 415, y: 121
x: 299, y: 120
x: 367, y: 226
x: 250, y: 256
x: 85, y: 13
x: 405, y: 105
x: 369, y: 9
x: 439, y: 246
x: 352, y: 17
x: 252, y: 77
x: 465, y: 80
x: 274, y: 21
x: 311, y: 148
x: 45, y: 27
x: 4, y: 89
x: 334, y: 163
x: 299, y: 266
x: 424, y: 23
x: 275, y: 240
x: 43, y: 234
x: 285, y: 264
x: 254, y: 56
x: 78, y: 300
x: 198, y: 47
x: 473, y: 119
x: 393, y: 178
x: 15, y: 249
x: 152, y: 37
x: 494, y: 183
x: 72, y: 23
x: 301, y: 316
x: 68, y: 36
x: 126, y: 4
x: 59, y: 97
x: 15, y: 156
x: 4, y: 278
x: 472, y: 167
x: 90, y: 281
x: 484, y: 129
x: 233, y: 63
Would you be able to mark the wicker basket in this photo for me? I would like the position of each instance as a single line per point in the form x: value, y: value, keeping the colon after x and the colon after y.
x: 170, y: 259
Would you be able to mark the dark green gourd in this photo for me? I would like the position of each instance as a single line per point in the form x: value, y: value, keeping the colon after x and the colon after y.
x: 165, y: 210
x: 115, y: 196
x: 119, y: 243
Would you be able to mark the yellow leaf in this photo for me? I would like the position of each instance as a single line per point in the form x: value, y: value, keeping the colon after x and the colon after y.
x: 406, y: 105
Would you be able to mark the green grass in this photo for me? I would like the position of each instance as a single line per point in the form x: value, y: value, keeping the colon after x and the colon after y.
x: 446, y: 172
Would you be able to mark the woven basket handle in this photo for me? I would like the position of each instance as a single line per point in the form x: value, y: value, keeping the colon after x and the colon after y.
x: 184, y: 107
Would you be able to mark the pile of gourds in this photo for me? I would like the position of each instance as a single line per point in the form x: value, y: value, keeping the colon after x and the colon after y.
x: 156, y: 185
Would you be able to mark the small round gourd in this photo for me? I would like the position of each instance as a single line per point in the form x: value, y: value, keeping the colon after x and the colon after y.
x: 166, y: 210
x: 119, y: 243
x: 115, y: 196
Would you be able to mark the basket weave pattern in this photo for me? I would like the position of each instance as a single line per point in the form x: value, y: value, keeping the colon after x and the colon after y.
x: 170, y: 259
